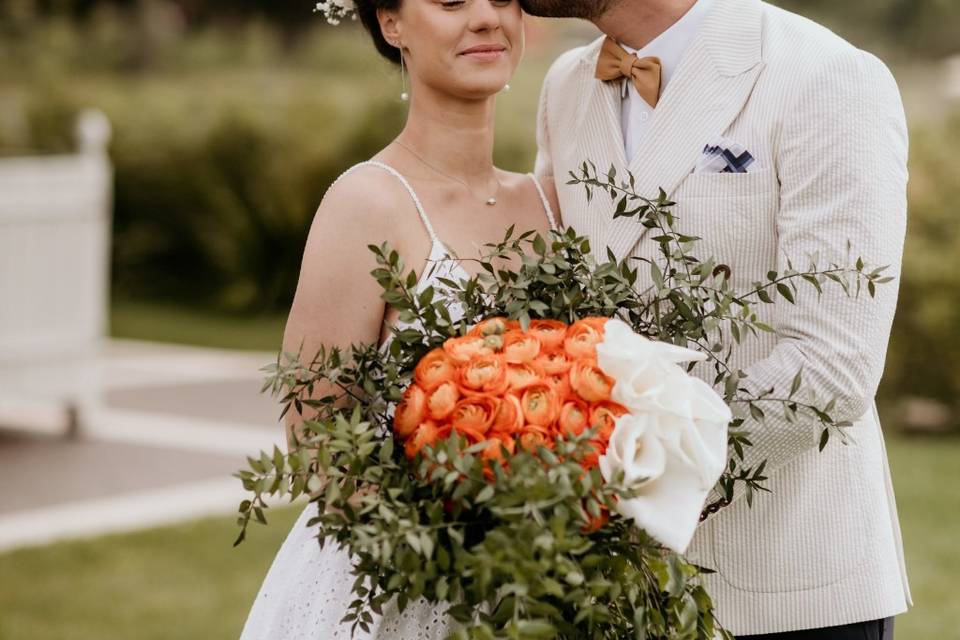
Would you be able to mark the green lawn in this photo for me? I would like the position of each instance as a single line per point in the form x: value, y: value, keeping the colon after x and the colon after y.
x: 177, y: 583
x: 176, y: 323
x: 187, y: 582
x: 926, y: 475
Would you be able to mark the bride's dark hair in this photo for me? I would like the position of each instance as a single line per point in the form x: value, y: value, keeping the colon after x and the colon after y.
x: 367, y: 11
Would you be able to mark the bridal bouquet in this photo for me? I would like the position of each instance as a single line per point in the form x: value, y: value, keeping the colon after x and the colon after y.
x: 538, y: 462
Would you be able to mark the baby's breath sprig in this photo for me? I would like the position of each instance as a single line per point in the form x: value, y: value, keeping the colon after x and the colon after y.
x: 337, y: 10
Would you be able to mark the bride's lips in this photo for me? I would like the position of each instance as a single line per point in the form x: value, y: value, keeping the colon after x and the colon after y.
x: 484, y: 52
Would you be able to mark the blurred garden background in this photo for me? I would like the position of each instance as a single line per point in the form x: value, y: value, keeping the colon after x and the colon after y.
x: 231, y: 118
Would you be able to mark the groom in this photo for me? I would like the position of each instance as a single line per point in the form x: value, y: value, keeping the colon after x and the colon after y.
x: 778, y: 140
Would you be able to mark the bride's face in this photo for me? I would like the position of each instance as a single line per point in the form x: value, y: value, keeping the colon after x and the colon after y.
x: 466, y: 48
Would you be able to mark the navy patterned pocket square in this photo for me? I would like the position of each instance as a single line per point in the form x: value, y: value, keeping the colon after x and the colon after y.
x: 725, y: 156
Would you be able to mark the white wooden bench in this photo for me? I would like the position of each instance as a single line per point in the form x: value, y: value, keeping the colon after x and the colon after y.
x: 55, y: 218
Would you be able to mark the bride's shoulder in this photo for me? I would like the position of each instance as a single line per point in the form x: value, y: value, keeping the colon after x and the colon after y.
x: 366, y: 192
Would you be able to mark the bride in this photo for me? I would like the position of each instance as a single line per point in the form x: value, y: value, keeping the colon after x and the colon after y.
x: 432, y: 192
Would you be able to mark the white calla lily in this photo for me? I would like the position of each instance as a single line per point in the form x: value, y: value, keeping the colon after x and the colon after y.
x: 674, y: 437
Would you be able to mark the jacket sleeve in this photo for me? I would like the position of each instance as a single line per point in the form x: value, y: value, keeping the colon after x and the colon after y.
x: 842, y: 164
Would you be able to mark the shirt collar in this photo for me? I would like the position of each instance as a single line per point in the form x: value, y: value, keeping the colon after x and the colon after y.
x: 670, y: 45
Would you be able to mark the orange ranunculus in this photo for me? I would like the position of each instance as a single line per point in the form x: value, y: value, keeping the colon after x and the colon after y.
x: 442, y: 400
x: 590, y: 382
x: 493, y: 326
x: 461, y: 350
x: 411, y: 411
x: 499, y: 447
x: 426, y: 433
x: 554, y: 363
x: 574, y: 416
x: 434, y: 369
x: 497, y: 451
x: 582, y: 339
x: 533, y: 436
x: 486, y: 374
x: 475, y: 414
x: 509, y: 418
x: 561, y: 385
x: 550, y: 333
x: 472, y: 435
x: 520, y: 347
x: 605, y: 414
x: 597, y: 322
x: 540, y: 403
x: 521, y: 376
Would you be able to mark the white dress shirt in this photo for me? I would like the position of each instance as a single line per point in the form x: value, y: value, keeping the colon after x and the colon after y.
x: 669, y: 46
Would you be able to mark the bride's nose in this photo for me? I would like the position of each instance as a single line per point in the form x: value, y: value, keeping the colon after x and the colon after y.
x: 484, y: 16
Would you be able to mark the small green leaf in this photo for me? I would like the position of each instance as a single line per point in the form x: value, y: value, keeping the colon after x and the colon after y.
x: 824, y: 439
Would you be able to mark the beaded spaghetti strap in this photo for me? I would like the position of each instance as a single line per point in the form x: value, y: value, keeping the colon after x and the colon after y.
x: 546, y: 203
x: 406, y: 185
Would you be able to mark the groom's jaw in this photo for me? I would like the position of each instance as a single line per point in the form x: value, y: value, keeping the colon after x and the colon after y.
x: 585, y: 9
x: 637, y: 23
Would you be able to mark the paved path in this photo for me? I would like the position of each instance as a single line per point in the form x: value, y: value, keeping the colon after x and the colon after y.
x: 176, y: 422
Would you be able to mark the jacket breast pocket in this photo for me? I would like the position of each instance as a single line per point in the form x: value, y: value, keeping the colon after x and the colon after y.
x: 734, y: 215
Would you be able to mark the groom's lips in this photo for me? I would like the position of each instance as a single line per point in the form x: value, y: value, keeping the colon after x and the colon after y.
x: 484, y: 51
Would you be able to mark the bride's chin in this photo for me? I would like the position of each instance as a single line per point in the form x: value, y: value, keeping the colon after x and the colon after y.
x: 484, y: 93
x: 483, y: 89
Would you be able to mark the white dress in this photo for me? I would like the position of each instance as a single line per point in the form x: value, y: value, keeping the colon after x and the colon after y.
x: 308, y: 589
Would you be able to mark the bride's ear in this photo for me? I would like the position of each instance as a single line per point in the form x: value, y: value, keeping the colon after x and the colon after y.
x: 390, y: 25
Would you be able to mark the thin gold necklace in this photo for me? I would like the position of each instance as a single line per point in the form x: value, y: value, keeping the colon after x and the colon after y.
x: 491, y: 201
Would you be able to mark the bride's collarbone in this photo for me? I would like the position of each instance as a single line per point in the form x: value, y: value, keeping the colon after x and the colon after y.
x: 517, y: 203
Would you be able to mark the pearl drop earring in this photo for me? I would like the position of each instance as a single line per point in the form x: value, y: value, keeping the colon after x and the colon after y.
x: 403, y: 77
x: 506, y: 88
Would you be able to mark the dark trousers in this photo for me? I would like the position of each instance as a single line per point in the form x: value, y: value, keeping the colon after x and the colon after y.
x: 874, y: 630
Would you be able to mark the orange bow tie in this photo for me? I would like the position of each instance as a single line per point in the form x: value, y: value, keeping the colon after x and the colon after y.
x: 615, y: 63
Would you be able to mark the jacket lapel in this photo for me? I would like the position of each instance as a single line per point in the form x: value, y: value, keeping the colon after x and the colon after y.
x: 600, y: 134
x: 708, y: 91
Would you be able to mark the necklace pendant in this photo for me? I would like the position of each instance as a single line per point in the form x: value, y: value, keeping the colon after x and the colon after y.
x: 492, y: 201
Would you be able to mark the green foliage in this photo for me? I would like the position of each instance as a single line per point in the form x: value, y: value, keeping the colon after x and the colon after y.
x: 925, y: 28
x: 229, y: 207
x: 924, y: 356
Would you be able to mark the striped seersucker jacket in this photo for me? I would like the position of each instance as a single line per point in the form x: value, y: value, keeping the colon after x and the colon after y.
x: 825, y: 123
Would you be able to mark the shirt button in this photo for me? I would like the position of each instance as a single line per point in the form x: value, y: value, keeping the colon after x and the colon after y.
x: 644, y: 116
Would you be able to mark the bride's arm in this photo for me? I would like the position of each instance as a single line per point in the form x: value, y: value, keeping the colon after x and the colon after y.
x: 337, y: 302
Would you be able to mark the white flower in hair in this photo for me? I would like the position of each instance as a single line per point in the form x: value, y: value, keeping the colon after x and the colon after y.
x: 336, y: 10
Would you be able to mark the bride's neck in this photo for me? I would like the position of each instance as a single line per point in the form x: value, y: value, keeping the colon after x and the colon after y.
x: 454, y: 136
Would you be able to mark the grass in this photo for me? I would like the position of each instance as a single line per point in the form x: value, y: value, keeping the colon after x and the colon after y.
x: 186, y: 581
x: 927, y: 481
x: 159, y: 322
